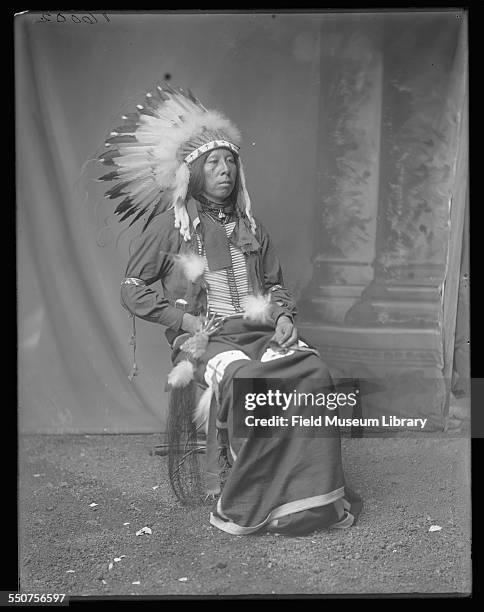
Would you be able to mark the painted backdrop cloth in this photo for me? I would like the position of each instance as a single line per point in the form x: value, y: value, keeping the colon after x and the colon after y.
x: 291, y: 482
x: 74, y: 81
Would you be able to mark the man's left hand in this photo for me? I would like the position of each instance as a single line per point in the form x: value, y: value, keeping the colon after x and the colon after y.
x: 286, y: 332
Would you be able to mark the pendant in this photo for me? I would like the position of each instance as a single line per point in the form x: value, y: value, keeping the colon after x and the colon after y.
x: 221, y: 215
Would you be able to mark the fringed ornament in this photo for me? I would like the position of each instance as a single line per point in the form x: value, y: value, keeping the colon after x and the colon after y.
x: 184, y: 449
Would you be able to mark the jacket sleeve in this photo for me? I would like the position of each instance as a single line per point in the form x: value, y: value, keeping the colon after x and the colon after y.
x: 148, y: 263
x: 282, y: 299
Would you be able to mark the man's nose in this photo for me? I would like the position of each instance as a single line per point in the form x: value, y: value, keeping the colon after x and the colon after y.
x: 224, y: 167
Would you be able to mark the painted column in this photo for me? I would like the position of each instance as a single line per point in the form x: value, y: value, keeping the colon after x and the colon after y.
x: 348, y: 178
x: 389, y: 216
x: 419, y: 151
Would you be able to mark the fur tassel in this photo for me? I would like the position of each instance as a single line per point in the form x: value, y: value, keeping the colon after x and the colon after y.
x: 182, y: 221
x: 182, y: 178
x: 192, y: 264
x: 257, y: 308
x: 202, y: 410
x: 246, y: 197
x: 181, y: 374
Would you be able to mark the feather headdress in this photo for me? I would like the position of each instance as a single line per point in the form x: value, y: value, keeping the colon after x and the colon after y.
x: 151, y: 152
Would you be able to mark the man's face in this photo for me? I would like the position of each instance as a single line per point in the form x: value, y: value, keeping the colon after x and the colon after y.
x: 220, y: 172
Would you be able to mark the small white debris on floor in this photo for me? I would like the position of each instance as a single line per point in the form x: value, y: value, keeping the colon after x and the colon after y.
x: 143, y: 530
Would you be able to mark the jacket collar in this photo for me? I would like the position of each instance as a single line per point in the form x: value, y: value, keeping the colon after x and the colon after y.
x: 241, y: 237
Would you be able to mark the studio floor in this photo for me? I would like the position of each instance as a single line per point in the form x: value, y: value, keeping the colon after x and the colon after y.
x: 82, y: 498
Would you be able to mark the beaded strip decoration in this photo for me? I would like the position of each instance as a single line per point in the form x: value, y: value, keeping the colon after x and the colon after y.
x: 209, y: 146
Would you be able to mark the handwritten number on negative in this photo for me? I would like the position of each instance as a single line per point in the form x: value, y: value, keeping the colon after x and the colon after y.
x: 89, y: 18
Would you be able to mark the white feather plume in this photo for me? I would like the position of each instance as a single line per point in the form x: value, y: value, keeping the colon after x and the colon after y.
x: 257, y: 308
x: 202, y: 411
x: 181, y: 374
x: 192, y: 264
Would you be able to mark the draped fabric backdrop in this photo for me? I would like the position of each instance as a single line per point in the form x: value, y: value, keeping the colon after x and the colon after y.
x: 276, y: 76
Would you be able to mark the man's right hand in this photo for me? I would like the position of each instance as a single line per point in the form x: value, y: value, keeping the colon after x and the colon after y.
x: 190, y: 323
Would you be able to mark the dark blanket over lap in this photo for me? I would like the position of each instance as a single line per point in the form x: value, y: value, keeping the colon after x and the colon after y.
x: 288, y: 468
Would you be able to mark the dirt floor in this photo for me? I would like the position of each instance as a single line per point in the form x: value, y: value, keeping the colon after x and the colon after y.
x: 69, y: 545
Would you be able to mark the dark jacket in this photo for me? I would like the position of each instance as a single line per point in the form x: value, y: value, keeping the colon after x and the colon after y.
x: 152, y: 260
